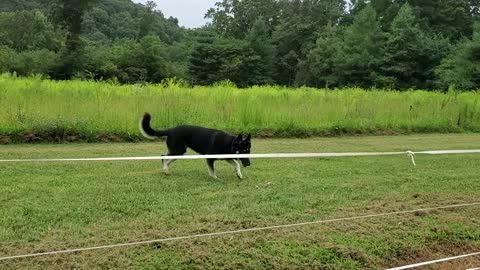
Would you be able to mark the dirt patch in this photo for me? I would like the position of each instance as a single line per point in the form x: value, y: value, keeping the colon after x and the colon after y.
x: 4, y: 139
x: 440, y: 251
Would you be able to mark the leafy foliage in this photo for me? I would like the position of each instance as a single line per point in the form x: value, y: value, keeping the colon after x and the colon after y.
x: 411, y: 54
x: 461, y: 68
x: 399, y: 44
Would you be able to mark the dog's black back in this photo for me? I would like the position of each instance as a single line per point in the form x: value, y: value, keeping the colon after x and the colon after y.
x: 204, y: 141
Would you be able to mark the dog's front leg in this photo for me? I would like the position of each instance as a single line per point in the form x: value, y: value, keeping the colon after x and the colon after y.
x: 236, y: 165
x: 166, y: 163
x: 211, y: 170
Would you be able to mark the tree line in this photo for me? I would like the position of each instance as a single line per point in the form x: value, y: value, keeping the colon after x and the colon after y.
x: 397, y: 44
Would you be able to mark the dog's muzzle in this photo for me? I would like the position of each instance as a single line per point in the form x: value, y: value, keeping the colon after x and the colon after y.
x: 245, y: 162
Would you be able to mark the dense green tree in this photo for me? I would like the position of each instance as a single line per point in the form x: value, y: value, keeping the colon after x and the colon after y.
x: 126, y: 58
x: 144, y: 60
x: 263, y: 53
x: 403, y: 47
x: 18, y: 5
x: 449, y: 18
x: 296, y: 31
x: 410, y: 54
x: 69, y: 14
x: 107, y: 20
x: 386, y: 10
x: 153, y: 54
x: 148, y: 19
x: 363, y: 50
x: 203, y: 63
x: 103, y: 27
x: 475, y: 9
x: 6, y: 59
x: 321, y: 68
x: 28, y: 30
x: 235, y: 18
x: 124, y: 19
x: 36, y: 62
x: 177, y: 55
x: 98, y: 62
x: 237, y: 61
x: 27, y: 62
x: 85, y: 45
x: 461, y: 68
x: 216, y: 59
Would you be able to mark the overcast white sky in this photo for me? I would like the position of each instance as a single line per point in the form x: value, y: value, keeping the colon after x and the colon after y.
x: 190, y: 13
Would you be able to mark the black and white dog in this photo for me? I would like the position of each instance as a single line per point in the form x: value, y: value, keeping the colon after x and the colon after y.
x: 204, y: 141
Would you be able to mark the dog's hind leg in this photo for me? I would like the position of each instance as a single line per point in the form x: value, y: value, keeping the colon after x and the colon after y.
x: 166, y: 162
x: 211, y: 170
x: 165, y: 166
x: 236, y: 165
x: 174, y: 149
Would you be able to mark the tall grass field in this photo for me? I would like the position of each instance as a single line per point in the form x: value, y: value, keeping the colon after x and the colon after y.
x: 35, y: 109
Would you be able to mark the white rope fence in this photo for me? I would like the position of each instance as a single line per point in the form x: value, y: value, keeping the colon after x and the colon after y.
x: 188, y: 237
x: 236, y: 156
x: 415, y: 265
x: 410, y: 154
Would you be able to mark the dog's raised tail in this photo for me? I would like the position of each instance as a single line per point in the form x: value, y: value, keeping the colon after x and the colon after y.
x: 147, y: 131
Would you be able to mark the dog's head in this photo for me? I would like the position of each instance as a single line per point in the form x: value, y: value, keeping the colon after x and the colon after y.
x: 241, y: 146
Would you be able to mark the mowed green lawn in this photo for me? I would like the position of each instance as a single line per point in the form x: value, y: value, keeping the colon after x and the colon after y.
x: 55, y: 206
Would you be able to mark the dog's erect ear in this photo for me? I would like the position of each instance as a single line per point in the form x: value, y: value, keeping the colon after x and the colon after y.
x: 239, y: 138
x: 249, y: 136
